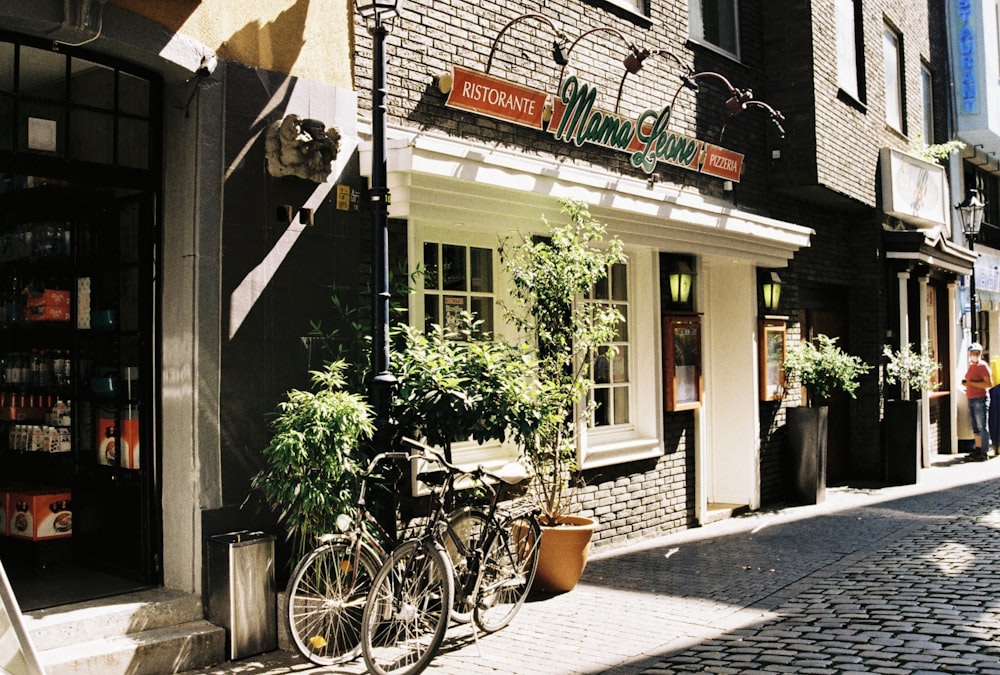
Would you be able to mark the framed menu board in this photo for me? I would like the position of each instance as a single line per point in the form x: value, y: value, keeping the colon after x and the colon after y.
x: 682, y: 361
x: 772, y: 359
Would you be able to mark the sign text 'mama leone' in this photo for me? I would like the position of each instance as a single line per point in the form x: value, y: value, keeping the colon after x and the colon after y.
x: 576, y: 119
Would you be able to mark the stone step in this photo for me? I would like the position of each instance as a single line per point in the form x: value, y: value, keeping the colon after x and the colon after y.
x: 152, y: 631
x: 109, y: 617
x: 171, y: 649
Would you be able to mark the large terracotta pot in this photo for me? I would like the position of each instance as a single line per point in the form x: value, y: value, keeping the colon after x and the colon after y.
x: 563, y: 554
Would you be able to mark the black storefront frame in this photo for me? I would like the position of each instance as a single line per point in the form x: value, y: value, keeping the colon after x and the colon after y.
x: 121, y: 187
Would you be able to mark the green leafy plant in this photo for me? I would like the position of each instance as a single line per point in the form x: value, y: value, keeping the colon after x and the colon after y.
x: 549, y: 276
x: 313, y: 457
x: 824, y: 368
x: 459, y: 385
x: 911, y: 369
x: 935, y: 152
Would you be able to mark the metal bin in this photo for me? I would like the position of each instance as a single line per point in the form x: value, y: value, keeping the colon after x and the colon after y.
x: 239, y: 592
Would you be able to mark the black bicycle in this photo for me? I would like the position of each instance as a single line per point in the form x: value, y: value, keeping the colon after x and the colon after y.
x: 411, y: 598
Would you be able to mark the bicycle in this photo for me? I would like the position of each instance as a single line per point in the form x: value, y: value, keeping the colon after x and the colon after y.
x: 328, y: 587
x: 411, y: 598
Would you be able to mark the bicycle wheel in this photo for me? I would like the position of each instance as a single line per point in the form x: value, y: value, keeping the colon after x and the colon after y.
x: 406, y: 614
x: 326, y: 596
x: 508, y: 570
x: 468, y: 525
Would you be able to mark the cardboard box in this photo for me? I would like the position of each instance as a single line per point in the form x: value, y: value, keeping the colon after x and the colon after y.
x: 122, y: 451
x: 47, y: 305
x: 40, y: 513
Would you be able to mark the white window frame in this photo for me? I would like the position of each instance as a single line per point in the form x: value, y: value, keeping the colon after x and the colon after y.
x: 892, y: 54
x: 927, y: 102
x: 696, y: 25
x: 640, y: 439
x: 847, y: 48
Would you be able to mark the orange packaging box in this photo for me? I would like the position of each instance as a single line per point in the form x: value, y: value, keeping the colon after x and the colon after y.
x: 127, y: 445
x: 41, y: 513
x: 47, y: 305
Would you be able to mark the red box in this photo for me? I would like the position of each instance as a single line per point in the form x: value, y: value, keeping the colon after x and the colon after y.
x: 40, y: 513
x: 127, y: 448
x: 47, y: 305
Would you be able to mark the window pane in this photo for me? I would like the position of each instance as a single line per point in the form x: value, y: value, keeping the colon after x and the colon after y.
x: 926, y: 95
x: 622, y: 335
x: 619, y: 372
x: 91, y: 136
x: 133, y: 95
x: 92, y: 84
x: 714, y: 21
x: 432, y: 310
x: 602, y: 400
x: 847, y: 61
x: 431, y: 270
x: 6, y: 66
x: 453, y: 268
x: 43, y: 73
x: 893, y: 98
x: 6, y: 119
x: 481, y: 262
x: 621, y: 405
x: 483, y: 309
x: 602, y: 367
x: 133, y: 143
x: 619, y: 282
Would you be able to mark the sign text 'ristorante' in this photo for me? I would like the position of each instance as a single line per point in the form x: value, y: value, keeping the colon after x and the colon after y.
x: 574, y: 118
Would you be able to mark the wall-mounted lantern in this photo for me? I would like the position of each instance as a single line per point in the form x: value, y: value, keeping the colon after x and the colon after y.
x: 771, y: 290
x: 971, y: 211
x: 680, y: 280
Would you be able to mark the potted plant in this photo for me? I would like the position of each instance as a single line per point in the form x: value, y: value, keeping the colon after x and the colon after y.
x: 549, y: 275
x: 903, y: 419
x: 823, y: 369
x: 312, y: 463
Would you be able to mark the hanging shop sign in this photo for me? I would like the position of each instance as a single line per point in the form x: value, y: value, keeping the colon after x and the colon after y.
x: 572, y: 117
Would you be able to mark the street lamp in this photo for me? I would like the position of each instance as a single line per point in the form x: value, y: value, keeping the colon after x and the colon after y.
x: 383, y: 381
x: 971, y: 211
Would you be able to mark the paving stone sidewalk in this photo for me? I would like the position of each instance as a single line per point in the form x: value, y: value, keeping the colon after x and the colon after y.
x: 897, y: 580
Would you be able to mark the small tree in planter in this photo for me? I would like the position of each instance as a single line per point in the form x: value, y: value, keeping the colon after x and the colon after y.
x: 911, y: 370
x: 823, y: 369
x: 312, y: 459
x: 902, y: 423
x: 549, y: 276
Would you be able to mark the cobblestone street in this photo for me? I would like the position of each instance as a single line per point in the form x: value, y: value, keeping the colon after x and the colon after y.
x: 888, y: 580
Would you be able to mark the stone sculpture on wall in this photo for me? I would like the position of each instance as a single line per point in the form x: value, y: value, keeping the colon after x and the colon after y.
x: 301, y: 147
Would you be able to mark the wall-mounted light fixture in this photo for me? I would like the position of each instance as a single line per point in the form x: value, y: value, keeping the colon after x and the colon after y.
x: 737, y: 101
x: 771, y: 290
x: 680, y: 278
x: 971, y: 212
x: 558, y: 43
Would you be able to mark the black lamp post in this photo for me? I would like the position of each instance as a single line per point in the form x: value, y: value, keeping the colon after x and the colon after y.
x: 377, y: 12
x: 971, y: 211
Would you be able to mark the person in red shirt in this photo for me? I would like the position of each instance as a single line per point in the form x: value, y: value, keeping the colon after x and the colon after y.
x: 978, y: 380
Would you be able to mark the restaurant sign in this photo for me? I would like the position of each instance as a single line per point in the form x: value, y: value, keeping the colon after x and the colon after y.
x: 573, y: 118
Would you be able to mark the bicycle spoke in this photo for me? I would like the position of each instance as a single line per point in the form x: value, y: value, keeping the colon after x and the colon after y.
x: 508, y: 569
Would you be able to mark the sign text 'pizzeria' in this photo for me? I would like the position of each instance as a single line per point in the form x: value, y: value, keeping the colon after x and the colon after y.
x: 573, y: 118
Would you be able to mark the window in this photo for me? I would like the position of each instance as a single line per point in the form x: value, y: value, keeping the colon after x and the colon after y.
x: 927, y: 99
x: 892, y: 51
x: 847, y: 48
x: 610, y: 371
x: 715, y: 22
x: 457, y: 278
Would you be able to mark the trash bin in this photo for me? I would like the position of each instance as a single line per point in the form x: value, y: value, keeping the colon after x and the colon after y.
x: 239, y: 591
